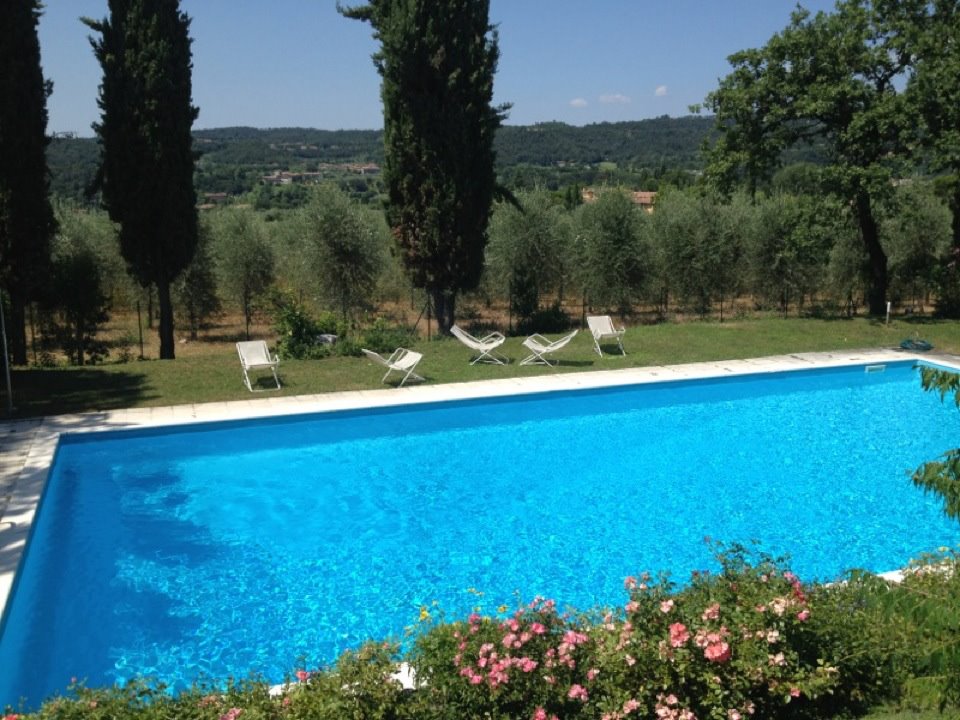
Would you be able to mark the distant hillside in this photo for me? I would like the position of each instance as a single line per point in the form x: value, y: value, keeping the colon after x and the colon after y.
x: 235, y: 159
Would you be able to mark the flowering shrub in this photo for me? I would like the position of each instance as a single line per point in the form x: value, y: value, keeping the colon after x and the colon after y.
x: 747, y: 643
x: 533, y: 664
x: 723, y: 647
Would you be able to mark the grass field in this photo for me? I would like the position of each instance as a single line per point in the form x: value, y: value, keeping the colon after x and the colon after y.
x: 208, y: 370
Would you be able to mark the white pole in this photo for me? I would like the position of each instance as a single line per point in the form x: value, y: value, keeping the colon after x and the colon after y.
x: 888, y: 312
x: 6, y: 358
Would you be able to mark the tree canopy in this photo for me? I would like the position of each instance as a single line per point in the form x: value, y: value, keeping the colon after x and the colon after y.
x: 437, y: 59
x: 27, y: 222
x: 146, y: 160
x: 832, y: 77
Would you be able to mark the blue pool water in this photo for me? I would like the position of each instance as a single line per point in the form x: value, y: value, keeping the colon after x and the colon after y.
x: 262, y: 546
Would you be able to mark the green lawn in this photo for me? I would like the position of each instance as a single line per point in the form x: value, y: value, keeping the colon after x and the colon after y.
x: 214, y: 375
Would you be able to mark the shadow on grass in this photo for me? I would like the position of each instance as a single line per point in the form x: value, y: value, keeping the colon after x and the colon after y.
x: 57, y: 391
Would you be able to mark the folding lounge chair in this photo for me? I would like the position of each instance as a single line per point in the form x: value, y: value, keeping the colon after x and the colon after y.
x: 540, y: 347
x: 601, y: 327
x: 254, y: 355
x: 402, y: 361
x: 485, y: 346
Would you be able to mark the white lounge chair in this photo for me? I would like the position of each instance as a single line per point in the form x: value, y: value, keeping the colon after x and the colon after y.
x: 485, y: 345
x: 401, y: 360
x: 601, y: 327
x: 254, y: 355
x: 540, y: 347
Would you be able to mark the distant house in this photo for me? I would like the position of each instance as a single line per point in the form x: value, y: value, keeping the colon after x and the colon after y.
x: 643, y: 199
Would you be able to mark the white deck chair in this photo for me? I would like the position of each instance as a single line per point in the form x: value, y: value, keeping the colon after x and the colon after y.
x: 601, y: 327
x: 254, y: 355
x: 540, y: 347
x: 401, y: 360
x: 485, y: 345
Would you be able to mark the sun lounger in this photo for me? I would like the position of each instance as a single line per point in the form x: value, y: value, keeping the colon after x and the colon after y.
x: 485, y: 346
x: 601, y: 327
x: 401, y: 360
x: 254, y: 355
x: 540, y: 347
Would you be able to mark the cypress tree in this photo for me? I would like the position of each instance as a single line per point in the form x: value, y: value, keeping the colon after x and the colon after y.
x: 26, y: 219
x: 146, y: 156
x: 437, y: 59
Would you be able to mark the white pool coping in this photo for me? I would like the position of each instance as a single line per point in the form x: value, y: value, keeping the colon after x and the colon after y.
x: 27, y: 447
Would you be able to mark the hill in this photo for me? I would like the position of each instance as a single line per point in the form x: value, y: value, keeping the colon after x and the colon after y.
x: 234, y: 160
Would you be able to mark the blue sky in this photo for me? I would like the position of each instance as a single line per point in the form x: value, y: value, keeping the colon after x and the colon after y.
x: 299, y: 63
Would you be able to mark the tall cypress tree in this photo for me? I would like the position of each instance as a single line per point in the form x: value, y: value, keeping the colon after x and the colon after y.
x: 26, y: 218
x: 146, y: 156
x: 437, y: 59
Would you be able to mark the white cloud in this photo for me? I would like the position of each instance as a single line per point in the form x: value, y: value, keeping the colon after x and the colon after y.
x: 578, y: 103
x: 661, y: 91
x: 614, y: 99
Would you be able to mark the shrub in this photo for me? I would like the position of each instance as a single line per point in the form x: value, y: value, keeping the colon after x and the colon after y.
x: 299, y: 332
x: 382, y: 337
x: 549, y: 320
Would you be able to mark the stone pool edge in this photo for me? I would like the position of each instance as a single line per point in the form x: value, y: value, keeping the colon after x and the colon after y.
x: 27, y: 447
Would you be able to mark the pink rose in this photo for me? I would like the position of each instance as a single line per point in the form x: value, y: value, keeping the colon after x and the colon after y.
x: 717, y: 652
x: 678, y: 635
x: 666, y: 606
x: 712, y: 612
x: 578, y: 692
x: 794, y: 692
x: 803, y: 615
x: 302, y: 675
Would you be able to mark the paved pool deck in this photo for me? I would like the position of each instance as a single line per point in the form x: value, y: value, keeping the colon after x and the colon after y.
x: 27, y: 447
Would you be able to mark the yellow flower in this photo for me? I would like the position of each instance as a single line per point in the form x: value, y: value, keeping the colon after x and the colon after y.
x: 424, y: 613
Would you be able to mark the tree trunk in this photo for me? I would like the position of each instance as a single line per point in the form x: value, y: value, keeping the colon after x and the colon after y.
x: 877, y: 290
x: 166, y: 321
x: 955, y: 208
x: 444, y: 305
x: 17, y: 328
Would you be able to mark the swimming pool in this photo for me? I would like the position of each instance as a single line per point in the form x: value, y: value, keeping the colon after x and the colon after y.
x: 261, y: 545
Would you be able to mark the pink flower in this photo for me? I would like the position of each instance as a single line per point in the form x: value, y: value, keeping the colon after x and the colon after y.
x: 474, y: 618
x: 578, y: 692
x: 666, y: 606
x: 630, y: 583
x: 632, y: 606
x: 794, y: 692
x: 476, y: 679
x: 777, y: 660
x: 671, y: 699
x: 733, y: 714
x: 629, y: 660
x: 592, y: 673
x: 712, y: 612
x: 630, y: 705
x: 528, y: 664
x: 773, y: 636
x: 549, y: 679
x: 717, y: 652
x: 678, y: 635
x: 232, y: 714
x: 509, y: 639
x: 803, y: 615
x: 539, y: 714
x: 537, y: 629
x: 302, y: 675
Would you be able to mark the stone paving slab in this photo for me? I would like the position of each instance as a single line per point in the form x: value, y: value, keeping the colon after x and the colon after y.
x: 27, y: 447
